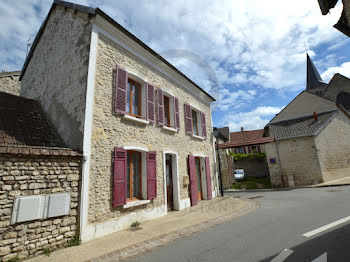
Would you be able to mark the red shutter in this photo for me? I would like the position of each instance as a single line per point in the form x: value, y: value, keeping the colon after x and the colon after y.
x: 120, y: 91
x: 188, y: 119
x: 208, y: 176
x: 151, y: 175
x: 259, y: 149
x: 150, y: 103
x: 244, y: 152
x: 193, y: 180
x: 119, y: 180
x: 177, y: 113
x: 204, y: 127
x: 160, y: 107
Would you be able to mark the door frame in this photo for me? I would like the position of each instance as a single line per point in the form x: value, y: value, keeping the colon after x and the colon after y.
x: 203, y: 176
x: 176, y: 182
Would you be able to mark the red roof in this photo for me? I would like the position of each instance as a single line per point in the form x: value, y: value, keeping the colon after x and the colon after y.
x: 244, y: 138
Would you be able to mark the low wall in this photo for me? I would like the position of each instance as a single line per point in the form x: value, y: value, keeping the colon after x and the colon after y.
x: 253, y: 167
x: 38, y: 176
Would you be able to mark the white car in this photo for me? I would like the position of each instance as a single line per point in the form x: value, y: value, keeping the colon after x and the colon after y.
x: 239, y: 174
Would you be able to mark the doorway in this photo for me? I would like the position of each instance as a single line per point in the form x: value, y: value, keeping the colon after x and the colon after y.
x: 169, y: 181
x: 199, y: 178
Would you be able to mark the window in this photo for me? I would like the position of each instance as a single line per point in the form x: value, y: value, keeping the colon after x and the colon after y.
x: 133, y: 98
x: 195, y: 123
x: 167, y: 111
x: 239, y: 150
x: 134, y: 175
x: 253, y: 149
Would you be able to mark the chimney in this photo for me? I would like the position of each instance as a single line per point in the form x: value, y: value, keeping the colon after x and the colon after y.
x: 242, y: 129
x: 315, y: 116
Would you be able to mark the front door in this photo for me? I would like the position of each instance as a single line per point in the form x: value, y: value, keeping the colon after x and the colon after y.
x: 199, y: 178
x: 169, y: 182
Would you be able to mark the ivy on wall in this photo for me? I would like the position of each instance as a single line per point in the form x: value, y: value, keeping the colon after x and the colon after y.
x: 247, y: 156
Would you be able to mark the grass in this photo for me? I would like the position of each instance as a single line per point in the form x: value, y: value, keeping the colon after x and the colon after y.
x: 253, y: 183
x: 75, y: 241
x: 135, y: 224
x: 47, y: 251
x: 13, y: 259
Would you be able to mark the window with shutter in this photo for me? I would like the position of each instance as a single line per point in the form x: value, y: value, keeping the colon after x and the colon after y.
x: 188, y: 119
x: 133, y: 175
x: 151, y: 175
x: 121, y: 92
x: 193, y: 180
x: 208, y: 178
x: 150, y: 103
x: 204, y: 127
x: 119, y: 179
x: 177, y: 113
x: 160, y: 106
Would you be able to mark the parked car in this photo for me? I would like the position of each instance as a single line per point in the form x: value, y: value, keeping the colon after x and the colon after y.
x: 239, y: 174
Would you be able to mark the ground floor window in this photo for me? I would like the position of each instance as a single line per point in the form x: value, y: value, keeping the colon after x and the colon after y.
x: 134, y: 175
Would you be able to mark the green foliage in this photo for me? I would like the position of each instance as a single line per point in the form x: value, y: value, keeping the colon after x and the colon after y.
x: 247, y: 156
x: 47, y: 251
x: 13, y: 259
x: 253, y: 183
x: 75, y: 241
x: 135, y: 224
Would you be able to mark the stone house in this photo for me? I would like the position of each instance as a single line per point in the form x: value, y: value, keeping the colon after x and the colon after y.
x: 244, y: 142
x: 317, y: 117
x: 144, y: 128
x: 9, y: 82
x: 39, y: 182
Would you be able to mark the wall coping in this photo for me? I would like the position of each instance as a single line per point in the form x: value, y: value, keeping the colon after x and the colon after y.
x: 38, y: 151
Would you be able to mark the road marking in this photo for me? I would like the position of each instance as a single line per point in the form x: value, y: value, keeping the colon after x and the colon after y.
x: 326, y: 227
x: 322, y: 258
x: 282, y: 256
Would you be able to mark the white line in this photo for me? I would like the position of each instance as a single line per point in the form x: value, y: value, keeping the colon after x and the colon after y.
x: 326, y: 227
x: 282, y: 256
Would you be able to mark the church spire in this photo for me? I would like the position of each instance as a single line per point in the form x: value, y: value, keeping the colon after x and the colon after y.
x: 313, y: 78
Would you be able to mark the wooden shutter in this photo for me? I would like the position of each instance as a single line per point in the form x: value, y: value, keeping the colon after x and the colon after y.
x: 204, y: 127
x: 177, y: 113
x: 188, y: 119
x: 244, y: 151
x: 259, y: 149
x: 151, y: 175
x: 160, y: 107
x: 150, y: 103
x: 119, y: 179
x: 193, y: 180
x: 208, y: 176
x: 120, y: 91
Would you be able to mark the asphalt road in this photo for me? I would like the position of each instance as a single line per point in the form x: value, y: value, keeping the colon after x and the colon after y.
x: 265, y: 234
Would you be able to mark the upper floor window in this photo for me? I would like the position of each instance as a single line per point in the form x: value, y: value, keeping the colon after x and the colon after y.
x: 195, y: 122
x: 167, y: 111
x: 133, y: 98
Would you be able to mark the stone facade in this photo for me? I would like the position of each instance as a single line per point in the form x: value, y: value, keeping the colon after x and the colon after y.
x: 227, y: 168
x: 9, y: 82
x: 29, y: 175
x: 333, y: 147
x: 56, y: 74
x: 110, y: 130
x: 304, y: 104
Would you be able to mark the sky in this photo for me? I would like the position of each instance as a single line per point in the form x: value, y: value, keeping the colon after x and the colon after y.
x: 250, y: 55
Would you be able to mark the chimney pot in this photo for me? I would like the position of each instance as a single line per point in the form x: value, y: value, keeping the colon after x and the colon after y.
x: 242, y: 129
x: 315, y: 116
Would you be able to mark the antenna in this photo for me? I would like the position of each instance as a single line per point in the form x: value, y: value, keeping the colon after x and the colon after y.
x: 305, y: 47
x: 29, y: 44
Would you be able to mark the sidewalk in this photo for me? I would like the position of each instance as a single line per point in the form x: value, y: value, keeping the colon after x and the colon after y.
x: 339, y: 182
x: 155, y: 233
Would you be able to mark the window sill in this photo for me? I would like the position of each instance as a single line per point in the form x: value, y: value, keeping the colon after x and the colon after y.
x: 135, y: 119
x: 170, y: 129
x: 136, y: 203
x: 198, y: 137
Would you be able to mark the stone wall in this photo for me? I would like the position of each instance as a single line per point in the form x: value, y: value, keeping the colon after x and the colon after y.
x: 298, y: 157
x: 274, y: 168
x: 24, y: 176
x: 253, y: 167
x: 9, y: 82
x: 56, y: 75
x: 226, y: 168
x: 333, y: 147
x: 304, y: 104
x: 111, y: 130
x: 337, y: 84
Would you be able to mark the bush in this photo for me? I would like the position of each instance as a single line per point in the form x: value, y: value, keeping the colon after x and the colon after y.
x: 247, y: 156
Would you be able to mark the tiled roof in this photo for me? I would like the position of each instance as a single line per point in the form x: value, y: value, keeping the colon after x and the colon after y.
x: 25, y: 130
x: 243, y: 138
x: 301, y: 126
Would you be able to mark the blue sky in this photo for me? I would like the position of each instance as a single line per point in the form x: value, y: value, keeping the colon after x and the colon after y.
x: 255, y: 50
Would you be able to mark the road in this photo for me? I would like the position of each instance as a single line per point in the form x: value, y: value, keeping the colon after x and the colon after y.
x: 274, y: 232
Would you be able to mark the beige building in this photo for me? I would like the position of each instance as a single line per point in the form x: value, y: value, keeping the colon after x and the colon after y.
x: 144, y: 128
x: 9, y: 82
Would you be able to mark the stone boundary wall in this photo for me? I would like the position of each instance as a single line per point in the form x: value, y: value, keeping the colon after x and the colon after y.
x: 9, y: 82
x: 253, y: 167
x: 29, y: 175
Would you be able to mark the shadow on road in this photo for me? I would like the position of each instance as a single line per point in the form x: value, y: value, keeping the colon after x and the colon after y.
x: 336, y: 243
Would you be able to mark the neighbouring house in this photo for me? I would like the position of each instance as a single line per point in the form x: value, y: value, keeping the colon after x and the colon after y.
x: 343, y: 25
x: 39, y: 182
x: 309, y: 149
x: 309, y: 131
x: 9, y: 82
x: 143, y: 127
x: 252, y: 143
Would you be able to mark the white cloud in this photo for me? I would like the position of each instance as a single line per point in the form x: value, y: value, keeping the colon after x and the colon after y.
x: 255, y: 119
x: 343, y: 69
